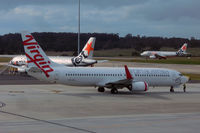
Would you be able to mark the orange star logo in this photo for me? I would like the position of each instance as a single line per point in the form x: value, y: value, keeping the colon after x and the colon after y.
x: 184, y: 47
x: 89, y: 48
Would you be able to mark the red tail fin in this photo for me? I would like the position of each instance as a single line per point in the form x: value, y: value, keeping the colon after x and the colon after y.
x: 128, y: 74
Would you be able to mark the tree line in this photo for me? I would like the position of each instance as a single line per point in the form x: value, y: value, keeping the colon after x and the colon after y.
x: 59, y: 42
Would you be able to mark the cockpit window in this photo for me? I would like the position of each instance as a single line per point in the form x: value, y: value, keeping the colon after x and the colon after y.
x: 180, y: 74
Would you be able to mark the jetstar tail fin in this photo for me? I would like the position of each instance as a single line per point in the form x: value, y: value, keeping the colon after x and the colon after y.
x: 182, y: 50
x: 89, y: 48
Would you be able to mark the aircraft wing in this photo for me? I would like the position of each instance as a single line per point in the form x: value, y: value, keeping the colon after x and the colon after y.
x: 101, y: 61
x: 10, y: 65
x: 187, y: 54
x: 19, y: 68
x: 160, y: 56
x: 10, y: 56
x: 121, y: 83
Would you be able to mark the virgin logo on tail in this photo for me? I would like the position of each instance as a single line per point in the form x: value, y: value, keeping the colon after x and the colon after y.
x: 37, y: 59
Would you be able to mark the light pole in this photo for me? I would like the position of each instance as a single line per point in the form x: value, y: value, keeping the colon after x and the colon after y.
x: 78, y: 26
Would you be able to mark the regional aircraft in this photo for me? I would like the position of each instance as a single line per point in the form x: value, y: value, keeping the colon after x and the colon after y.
x: 165, y: 54
x: 40, y: 66
x: 83, y: 59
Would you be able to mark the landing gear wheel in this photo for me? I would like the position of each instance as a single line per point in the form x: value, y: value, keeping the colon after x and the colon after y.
x: 172, y: 89
x: 101, y: 89
x: 184, y: 88
x: 130, y: 87
x: 114, y: 91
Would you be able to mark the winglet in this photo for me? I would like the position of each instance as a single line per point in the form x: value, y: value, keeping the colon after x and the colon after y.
x: 128, y: 74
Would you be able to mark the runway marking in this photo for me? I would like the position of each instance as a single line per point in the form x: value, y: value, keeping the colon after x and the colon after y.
x: 44, y: 121
x: 16, y: 91
x: 56, y: 91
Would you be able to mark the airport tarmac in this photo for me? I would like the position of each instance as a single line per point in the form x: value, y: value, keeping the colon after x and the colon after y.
x: 50, y: 108
x: 28, y: 105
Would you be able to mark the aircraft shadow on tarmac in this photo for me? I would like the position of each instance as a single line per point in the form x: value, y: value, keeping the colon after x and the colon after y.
x: 122, y: 94
x: 128, y: 94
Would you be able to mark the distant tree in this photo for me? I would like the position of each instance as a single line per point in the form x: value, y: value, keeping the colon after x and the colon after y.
x: 50, y: 41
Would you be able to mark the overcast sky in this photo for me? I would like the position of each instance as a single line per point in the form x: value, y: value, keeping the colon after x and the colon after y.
x: 167, y: 18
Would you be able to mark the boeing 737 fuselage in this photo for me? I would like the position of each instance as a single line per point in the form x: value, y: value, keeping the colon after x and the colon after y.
x: 135, y: 79
x: 165, y: 54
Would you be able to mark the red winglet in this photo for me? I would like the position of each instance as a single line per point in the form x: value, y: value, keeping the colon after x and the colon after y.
x: 128, y: 74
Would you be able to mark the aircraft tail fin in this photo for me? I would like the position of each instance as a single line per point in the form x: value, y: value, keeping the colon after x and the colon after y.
x: 89, y: 48
x: 36, y: 58
x: 182, y: 50
x: 86, y: 54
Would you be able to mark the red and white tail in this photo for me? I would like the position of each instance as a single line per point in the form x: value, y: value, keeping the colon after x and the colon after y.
x: 182, y: 50
x: 184, y: 47
x: 89, y: 48
x: 36, y: 57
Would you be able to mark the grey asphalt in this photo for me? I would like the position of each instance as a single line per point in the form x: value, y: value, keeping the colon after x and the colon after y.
x: 28, y: 105
x: 51, y: 108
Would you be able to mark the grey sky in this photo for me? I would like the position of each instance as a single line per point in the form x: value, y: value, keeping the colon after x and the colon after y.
x: 167, y: 18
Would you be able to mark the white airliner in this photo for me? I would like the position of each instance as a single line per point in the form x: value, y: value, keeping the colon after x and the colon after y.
x: 135, y: 79
x: 83, y: 59
x: 165, y: 54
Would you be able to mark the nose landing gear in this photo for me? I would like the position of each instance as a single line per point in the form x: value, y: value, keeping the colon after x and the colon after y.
x: 101, y: 89
x: 172, y: 89
x: 184, y: 88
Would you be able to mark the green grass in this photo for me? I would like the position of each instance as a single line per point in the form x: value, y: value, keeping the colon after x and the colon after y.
x: 117, y: 52
x: 128, y: 52
x: 5, y: 59
x: 176, y: 60
x: 192, y: 76
x: 114, y: 52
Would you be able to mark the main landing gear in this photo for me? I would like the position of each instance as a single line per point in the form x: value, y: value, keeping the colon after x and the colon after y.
x: 114, y: 91
x: 101, y: 89
x: 172, y: 89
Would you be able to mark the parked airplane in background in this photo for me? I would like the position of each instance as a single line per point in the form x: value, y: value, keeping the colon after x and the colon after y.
x: 83, y: 59
x: 165, y: 54
x: 42, y: 67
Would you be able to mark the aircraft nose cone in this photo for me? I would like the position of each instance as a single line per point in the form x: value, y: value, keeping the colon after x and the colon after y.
x: 184, y: 79
x: 10, y: 62
x: 142, y: 54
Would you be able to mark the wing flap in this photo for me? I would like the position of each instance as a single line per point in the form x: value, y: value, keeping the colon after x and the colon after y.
x: 160, y: 56
x: 121, y: 83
